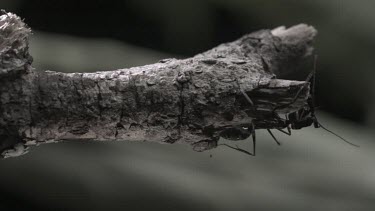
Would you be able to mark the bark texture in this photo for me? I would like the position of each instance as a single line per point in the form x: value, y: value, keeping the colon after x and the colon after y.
x: 189, y: 101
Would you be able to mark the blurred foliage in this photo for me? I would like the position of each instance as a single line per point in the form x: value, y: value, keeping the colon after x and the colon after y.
x: 73, y: 54
x: 312, y: 171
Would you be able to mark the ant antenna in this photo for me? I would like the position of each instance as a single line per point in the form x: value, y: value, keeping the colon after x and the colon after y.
x: 311, y: 101
x: 324, y: 128
x: 311, y: 74
x: 312, y: 90
x: 316, y: 123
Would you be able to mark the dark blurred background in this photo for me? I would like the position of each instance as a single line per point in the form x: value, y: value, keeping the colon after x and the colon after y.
x: 312, y: 170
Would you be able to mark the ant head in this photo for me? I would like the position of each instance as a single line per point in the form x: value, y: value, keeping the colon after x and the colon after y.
x: 300, y: 119
x: 312, y: 114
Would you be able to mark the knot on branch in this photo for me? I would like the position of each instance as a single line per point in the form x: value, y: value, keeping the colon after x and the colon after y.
x: 14, y: 45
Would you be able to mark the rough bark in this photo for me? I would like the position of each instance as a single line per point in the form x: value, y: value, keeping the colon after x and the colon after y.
x: 188, y: 101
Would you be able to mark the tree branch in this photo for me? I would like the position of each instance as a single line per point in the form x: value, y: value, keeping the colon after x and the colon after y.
x: 188, y: 101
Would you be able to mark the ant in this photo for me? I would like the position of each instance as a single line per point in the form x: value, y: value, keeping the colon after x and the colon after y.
x: 301, y: 118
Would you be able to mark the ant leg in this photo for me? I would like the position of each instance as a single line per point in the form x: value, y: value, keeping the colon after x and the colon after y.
x: 254, y: 137
x: 301, y: 114
x: 247, y: 97
x: 274, y: 138
x: 244, y: 94
x: 236, y: 148
x: 289, y: 133
x: 254, y: 143
x: 288, y: 127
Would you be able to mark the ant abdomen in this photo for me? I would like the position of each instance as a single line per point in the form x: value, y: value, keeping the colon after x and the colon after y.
x: 235, y: 133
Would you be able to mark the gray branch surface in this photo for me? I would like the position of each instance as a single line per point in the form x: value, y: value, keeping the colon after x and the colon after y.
x: 189, y: 101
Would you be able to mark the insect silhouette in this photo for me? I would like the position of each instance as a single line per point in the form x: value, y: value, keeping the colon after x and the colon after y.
x: 299, y: 119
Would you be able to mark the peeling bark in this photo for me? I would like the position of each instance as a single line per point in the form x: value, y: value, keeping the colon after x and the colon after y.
x: 187, y: 101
